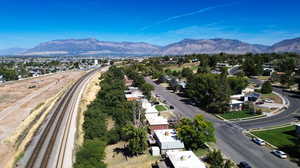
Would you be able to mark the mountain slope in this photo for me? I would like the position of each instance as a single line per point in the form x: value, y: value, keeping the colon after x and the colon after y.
x: 210, y: 46
x: 92, y: 47
x: 290, y: 45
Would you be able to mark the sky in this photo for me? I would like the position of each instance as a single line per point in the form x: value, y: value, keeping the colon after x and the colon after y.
x: 26, y: 23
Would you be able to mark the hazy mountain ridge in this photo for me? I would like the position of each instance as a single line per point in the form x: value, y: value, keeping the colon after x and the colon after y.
x: 289, y: 45
x: 92, y: 46
x: 12, y: 51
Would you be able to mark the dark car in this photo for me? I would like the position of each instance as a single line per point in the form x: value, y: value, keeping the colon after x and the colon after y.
x: 171, y: 107
x: 244, y: 165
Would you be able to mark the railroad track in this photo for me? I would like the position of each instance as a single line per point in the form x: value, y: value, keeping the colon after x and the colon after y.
x: 44, y: 147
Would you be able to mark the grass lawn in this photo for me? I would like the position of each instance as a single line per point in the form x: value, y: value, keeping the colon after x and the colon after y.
x: 279, y: 137
x: 284, y: 138
x: 160, y: 108
x: 193, y: 66
x: 273, y: 97
x: 237, y: 114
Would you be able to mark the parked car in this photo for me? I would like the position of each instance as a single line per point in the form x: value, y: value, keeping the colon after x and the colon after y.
x: 244, y: 164
x: 259, y: 102
x: 156, y: 103
x: 268, y: 101
x: 171, y: 107
x: 259, y: 141
x: 279, y: 154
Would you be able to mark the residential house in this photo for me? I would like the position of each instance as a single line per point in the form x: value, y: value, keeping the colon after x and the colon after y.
x: 167, y: 140
x: 148, y: 107
x: 133, y: 94
x: 183, y: 159
x: 156, y: 122
x: 177, y: 85
x: 252, y: 97
x: 236, y: 105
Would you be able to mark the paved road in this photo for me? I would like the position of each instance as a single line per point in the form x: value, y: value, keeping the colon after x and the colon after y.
x: 230, y: 138
x: 234, y: 70
x: 290, y: 115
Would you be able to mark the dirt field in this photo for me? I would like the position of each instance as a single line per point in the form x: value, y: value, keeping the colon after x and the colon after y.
x: 18, y: 101
x: 114, y: 159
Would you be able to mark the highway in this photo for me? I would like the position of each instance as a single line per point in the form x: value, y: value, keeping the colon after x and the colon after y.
x: 53, y: 145
x: 230, y: 137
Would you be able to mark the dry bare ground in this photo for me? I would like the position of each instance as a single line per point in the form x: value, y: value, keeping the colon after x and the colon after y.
x: 22, y: 109
x: 115, y: 159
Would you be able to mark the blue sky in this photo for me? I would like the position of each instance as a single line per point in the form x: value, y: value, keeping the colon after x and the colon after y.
x: 27, y: 23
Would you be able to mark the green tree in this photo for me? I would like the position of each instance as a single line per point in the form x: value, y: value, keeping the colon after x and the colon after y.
x: 195, y: 133
x: 266, y: 87
x: 137, y: 139
x: 187, y: 72
x: 147, y: 89
x: 211, y: 90
x: 215, y: 159
x: 287, y: 65
x: 252, y: 67
x: 91, y: 155
x: 237, y: 84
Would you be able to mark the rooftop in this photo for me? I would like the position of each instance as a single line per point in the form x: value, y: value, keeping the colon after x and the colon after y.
x: 236, y: 102
x: 168, y: 139
x: 148, y: 107
x: 154, y: 119
x: 185, y: 159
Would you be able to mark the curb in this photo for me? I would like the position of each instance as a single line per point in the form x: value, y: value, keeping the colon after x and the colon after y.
x: 248, y: 133
x: 242, y: 119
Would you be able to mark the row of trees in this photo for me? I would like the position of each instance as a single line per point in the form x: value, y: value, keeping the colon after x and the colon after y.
x: 110, y: 101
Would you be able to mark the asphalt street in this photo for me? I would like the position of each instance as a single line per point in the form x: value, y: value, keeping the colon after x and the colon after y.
x: 289, y: 115
x: 230, y: 138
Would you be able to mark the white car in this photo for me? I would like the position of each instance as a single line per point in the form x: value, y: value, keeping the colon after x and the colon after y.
x: 268, y: 101
x: 259, y: 141
x: 279, y: 154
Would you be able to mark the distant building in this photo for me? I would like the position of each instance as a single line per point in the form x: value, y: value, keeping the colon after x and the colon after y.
x: 96, y: 62
x: 220, y: 65
x: 183, y: 159
x: 2, y: 79
x: 167, y: 140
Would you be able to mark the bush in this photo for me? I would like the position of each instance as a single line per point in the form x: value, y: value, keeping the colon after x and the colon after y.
x: 266, y: 88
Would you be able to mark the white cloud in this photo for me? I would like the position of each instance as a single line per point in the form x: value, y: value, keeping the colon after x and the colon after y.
x: 203, y: 10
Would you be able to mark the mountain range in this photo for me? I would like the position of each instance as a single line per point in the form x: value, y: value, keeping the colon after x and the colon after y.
x: 94, y: 47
